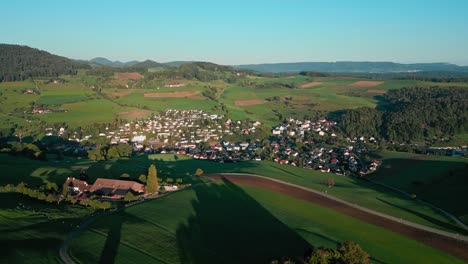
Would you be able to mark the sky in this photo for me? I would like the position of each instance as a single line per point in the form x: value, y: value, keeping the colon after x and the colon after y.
x: 242, y: 32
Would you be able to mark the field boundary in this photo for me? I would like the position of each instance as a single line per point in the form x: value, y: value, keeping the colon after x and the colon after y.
x: 451, y: 243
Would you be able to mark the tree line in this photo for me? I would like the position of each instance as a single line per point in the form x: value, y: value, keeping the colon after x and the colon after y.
x: 412, y: 114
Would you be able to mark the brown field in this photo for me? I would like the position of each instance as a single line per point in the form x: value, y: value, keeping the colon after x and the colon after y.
x: 172, y: 95
x: 134, y: 114
x: 311, y: 84
x: 376, y: 91
x: 249, y: 102
x: 450, y: 245
x: 365, y: 84
x: 128, y: 75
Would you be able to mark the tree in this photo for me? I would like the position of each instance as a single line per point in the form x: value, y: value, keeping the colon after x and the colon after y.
x: 142, y: 178
x: 199, y: 172
x: 152, y: 184
x: 169, y: 180
x: 352, y: 253
x: 125, y: 176
x: 130, y: 197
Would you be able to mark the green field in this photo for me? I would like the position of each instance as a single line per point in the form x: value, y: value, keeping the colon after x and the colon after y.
x: 440, y: 180
x: 80, y: 98
x: 356, y: 191
x: 32, y: 231
x: 226, y: 223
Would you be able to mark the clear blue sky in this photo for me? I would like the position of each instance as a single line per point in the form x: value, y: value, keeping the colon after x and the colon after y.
x: 235, y: 32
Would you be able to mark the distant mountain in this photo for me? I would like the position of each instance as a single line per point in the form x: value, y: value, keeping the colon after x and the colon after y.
x: 177, y: 63
x: 351, y: 66
x: 21, y: 62
x: 149, y: 64
x: 106, y: 62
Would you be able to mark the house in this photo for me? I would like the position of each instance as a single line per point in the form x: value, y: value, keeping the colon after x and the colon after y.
x: 116, y: 188
x: 76, y: 186
x: 174, y: 84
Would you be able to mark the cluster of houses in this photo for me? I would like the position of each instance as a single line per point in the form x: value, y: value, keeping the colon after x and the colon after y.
x: 300, y: 127
x: 315, y: 155
x: 175, y: 128
x: 203, y: 136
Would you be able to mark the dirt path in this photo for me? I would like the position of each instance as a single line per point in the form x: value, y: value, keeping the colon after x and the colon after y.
x: 453, y: 244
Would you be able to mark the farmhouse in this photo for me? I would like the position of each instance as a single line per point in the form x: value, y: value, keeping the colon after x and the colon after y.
x: 116, y: 188
x: 76, y: 186
x: 110, y: 188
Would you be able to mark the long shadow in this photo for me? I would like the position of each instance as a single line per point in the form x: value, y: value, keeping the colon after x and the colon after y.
x: 229, y: 226
x: 426, y: 217
x: 111, y: 247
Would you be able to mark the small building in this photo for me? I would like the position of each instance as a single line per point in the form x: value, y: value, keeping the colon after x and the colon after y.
x: 76, y: 186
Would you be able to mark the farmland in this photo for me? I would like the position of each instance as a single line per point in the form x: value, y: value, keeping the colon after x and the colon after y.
x: 258, y: 98
x: 192, y: 226
x: 356, y: 191
x: 33, y: 231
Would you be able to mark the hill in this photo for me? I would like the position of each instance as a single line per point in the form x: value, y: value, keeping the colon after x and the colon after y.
x: 149, y: 64
x: 19, y: 63
x: 107, y: 62
x: 352, y: 66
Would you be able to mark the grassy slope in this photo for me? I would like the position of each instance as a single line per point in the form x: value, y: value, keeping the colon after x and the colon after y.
x: 356, y: 191
x: 232, y: 224
x: 438, y: 179
x: 32, y: 231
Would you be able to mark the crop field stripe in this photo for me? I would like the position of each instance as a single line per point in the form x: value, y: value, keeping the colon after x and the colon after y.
x: 456, y: 246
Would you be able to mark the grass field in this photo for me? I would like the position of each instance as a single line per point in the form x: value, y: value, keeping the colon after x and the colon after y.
x: 438, y: 179
x: 32, y: 231
x: 226, y: 223
x: 356, y: 191
x: 80, y: 99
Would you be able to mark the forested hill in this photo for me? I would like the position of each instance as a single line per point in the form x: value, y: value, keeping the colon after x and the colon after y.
x: 352, y: 67
x: 412, y: 115
x: 21, y: 62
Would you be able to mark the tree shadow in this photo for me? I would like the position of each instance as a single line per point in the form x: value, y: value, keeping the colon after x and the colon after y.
x: 111, y: 247
x: 229, y: 226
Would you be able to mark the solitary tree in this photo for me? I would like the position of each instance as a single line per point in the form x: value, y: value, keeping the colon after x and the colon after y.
x: 152, y: 184
x: 352, y: 253
x: 199, y: 172
x: 142, y: 178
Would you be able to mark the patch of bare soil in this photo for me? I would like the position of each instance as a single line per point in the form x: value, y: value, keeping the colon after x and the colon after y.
x: 365, y: 84
x: 249, y: 102
x: 172, y: 95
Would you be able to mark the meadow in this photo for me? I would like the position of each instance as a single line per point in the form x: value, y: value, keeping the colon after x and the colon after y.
x: 81, y: 98
x: 226, y: 223
x: 32, y: 230
x: 357, y: 191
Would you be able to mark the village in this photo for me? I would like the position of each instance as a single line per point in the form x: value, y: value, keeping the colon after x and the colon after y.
x: 214, y: 137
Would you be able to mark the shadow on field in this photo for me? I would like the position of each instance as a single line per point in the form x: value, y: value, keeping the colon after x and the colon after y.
x: 426, y: 217
x: 111, y: 247
x: 228, y: 226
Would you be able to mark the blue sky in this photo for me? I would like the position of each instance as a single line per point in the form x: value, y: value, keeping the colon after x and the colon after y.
x: 235, y: 32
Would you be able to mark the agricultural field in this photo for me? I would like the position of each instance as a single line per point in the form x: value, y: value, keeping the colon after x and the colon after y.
x: 439, y: 180
x: 268, y: 100
x: 359, y: 192
x: 32, y: 231
x: 227, y: 223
